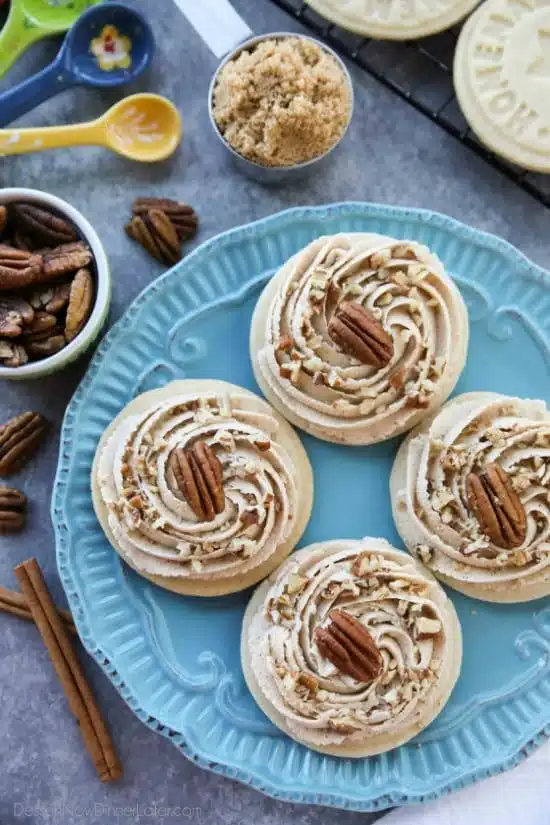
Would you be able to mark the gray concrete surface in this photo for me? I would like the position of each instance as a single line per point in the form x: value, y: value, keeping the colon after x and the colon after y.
x: 392, y: 155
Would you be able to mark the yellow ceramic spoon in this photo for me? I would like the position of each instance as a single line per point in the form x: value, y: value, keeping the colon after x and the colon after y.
x: 141, y: 127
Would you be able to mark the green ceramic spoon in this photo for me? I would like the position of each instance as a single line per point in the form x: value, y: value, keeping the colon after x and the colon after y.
x: 31, y: 20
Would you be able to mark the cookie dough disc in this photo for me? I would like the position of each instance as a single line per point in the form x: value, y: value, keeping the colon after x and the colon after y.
x: 412, y: 624
x: 394, y: 19
x: 266, y: 478
x: 502, y: 80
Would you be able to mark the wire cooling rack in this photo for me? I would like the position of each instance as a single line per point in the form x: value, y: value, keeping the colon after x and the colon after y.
x: 421, y: 72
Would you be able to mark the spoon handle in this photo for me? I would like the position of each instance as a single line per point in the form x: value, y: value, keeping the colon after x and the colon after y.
x: 15, y: 37
x: 21, y: 141
x: 35, y: 90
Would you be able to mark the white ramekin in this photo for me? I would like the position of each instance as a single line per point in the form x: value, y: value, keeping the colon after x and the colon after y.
x: 95, y: 322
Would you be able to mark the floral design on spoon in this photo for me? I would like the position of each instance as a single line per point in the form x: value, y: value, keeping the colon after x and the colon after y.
x: 112, y: 49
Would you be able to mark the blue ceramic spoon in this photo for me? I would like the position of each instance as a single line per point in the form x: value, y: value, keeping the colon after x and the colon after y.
x: 108, y: 45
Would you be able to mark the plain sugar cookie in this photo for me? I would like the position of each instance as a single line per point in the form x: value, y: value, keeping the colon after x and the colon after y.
x: 394, y: 19
x: 502, y: 80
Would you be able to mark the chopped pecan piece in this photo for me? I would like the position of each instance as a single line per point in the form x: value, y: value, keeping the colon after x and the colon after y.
x: 249, y: 518
x: 65, y: 259
x: 43, y: 225
x: 13, y: 504
x: 198, y: 476
x: 497, y: 506
x: 296, y: 584
x: 181, y: 215
x: 19, y: 439
x: 18, y: 268
x: 418, y: 400
x: 309, y: 681
x: 344, y: 728
x: 359, y: 333
x: 397, y: 379
x: 81, y: 299
x: 156, y: 233
x: 3, y: 218
x: 286, y: 343
x: 349, y: 646
x: 361, y: 564
x: 14, y: 314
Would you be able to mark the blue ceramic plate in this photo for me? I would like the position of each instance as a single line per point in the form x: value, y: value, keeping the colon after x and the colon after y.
x: 175, y: 660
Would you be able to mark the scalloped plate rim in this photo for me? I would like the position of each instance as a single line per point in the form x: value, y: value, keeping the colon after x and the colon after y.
x: 368, y: 802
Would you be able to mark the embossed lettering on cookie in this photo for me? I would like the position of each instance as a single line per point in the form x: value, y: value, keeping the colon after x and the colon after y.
x: 358, y: 337
x: 202, y: 487
x: 502, y: 80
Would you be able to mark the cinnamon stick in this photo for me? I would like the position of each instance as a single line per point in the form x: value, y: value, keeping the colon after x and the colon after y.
x: 58, y: 643
x: 13, y: 602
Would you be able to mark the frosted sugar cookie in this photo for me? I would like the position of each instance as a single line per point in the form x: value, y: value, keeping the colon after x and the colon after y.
x: 502, y: 80
x: 394, y: 19
x: 471, y: 497
x: 358, y: 337
x: 351, y: 647
x: 202, y: 487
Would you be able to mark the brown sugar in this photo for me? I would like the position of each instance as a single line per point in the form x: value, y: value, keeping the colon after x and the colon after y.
x: 282, y: 102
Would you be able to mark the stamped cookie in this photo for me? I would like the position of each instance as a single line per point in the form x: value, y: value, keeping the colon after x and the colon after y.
x: 502, y: 80
x: 394, y: 19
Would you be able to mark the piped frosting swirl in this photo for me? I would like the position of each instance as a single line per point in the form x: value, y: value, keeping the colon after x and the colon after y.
x: 407, y: 615
x: 430, y: 490
x: 153, y: 524
x: 329, y: 391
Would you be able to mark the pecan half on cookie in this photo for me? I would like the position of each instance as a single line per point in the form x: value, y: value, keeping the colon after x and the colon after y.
x: 360, y: 334
x: 497, y: 506
x: 198, y: 476
x: 349, y: 646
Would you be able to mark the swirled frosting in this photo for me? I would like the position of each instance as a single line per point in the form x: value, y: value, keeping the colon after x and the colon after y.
x: 409, y: 618
x: 329, y: 392
x: 151, y: 522
x: 430, y: 501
